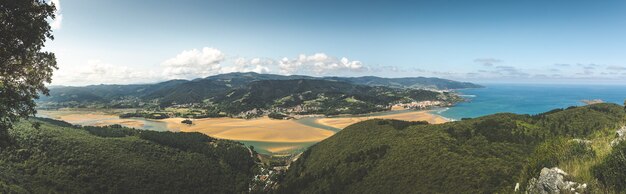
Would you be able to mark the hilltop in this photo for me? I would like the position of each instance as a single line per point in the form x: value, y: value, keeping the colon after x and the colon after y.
x: 490, y: 154
x: 48, y: 156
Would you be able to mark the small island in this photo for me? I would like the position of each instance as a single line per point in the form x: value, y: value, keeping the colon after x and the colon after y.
x: 187, y: 121
x: 594, y: 101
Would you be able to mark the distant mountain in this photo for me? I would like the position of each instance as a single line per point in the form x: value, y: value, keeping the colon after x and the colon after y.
x: 408, y: 82
x: 105, y: 93
x: 198, y: 90
x: 490, y: 154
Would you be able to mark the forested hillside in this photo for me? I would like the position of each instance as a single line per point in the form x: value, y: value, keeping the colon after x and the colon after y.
x: 306, y: 96
x: 47, y: 156
x: 483, y: 155
x: 197, y: 90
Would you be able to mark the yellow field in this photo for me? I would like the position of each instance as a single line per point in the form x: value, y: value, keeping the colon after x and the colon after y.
x: 261, y: 129
x: 342, y: 122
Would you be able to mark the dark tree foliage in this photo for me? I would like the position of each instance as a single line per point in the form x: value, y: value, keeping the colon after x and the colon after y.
x: 481, y: 155
x: 24, y: 68
x: 63, y: 158
x: 187, y: 121
x: 612, y: 171
x: 279, y: 116
x: 323, y: 96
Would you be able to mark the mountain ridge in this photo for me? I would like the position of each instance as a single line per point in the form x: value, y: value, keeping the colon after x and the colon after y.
x: 199, y: 90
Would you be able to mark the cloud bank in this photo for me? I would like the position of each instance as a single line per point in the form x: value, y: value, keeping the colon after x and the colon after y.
x: 194, y: 63
x: 319, y: 64
x: 99, y: 72
x: 207, y: 61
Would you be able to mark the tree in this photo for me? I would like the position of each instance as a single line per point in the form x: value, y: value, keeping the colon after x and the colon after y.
x: 24, y: 68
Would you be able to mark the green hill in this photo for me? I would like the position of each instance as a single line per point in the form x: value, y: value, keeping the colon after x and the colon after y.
x: 57, y: 157
x: 321, y: 97
x: 489, y: 154
x: 198, y: 90
x: 482, y: 155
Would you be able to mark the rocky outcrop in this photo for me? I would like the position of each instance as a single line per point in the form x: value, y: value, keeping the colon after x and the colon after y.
x: 621, y: 136
x: 582, y: 141
x: 554, y: 180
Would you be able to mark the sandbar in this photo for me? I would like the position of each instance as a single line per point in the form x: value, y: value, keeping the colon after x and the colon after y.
x: 342, y: 122
x: 260, y: 129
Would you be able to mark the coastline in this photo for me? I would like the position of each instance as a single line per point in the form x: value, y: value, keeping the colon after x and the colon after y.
x: 422, y: 115
x: 266, y: 135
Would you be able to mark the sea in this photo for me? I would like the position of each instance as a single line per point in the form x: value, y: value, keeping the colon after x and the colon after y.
x: 528, y: 98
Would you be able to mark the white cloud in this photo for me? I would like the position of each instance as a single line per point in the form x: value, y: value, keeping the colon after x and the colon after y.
x: 200, y: 63
x: 318, y: 64
x: 488, y: 62
x: 99, y: 72
x: 194, y: 63
x: 616, y: 68
x: 257, y: 65
x: 56, y: 23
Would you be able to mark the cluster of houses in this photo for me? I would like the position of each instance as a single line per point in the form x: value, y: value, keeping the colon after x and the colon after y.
x: 259, y: 112
x: 267, y: 179
x: 420, y: 105
x: 295, y: 109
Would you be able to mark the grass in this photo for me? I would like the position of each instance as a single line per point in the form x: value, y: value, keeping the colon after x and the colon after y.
x: 482, y: 155
x: 579, y: 169
x: 353, y: 100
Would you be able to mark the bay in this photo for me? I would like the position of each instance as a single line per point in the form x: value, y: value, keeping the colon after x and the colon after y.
x: 529, y: 98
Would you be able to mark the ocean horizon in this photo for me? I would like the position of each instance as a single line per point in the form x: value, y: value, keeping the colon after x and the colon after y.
x: 529, y: 98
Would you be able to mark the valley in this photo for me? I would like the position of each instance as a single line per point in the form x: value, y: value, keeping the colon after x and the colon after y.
x: 290, y: 97
x: 268, y: 136
x: 275, y: 114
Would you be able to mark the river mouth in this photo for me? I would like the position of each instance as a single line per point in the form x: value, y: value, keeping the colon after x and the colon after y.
x: 267, y: 136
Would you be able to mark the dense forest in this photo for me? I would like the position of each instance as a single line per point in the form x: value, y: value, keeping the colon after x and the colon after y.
x: 490, y: 154
x: 197, y: 91
x: 48, y: 156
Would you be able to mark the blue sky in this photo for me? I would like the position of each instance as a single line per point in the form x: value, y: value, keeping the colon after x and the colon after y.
x: 120, y: 41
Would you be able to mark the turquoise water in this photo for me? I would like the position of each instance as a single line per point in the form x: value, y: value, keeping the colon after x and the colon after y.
x: 529, y: 99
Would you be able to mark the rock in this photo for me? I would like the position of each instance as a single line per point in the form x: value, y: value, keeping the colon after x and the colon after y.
x: 621, y: 136
x: 553, y: 180
x: 582, y: 141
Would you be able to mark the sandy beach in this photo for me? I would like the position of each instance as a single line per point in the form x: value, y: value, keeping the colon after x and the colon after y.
x: 251, y: 130
x: 92, y: 118
x: 260, y: 129
x: 342, y: 122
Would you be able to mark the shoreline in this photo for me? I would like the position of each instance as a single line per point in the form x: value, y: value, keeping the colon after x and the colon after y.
x: 259, y: 129
x: 270, y: 135
x: 103, y: 117
x: 421, y: 115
